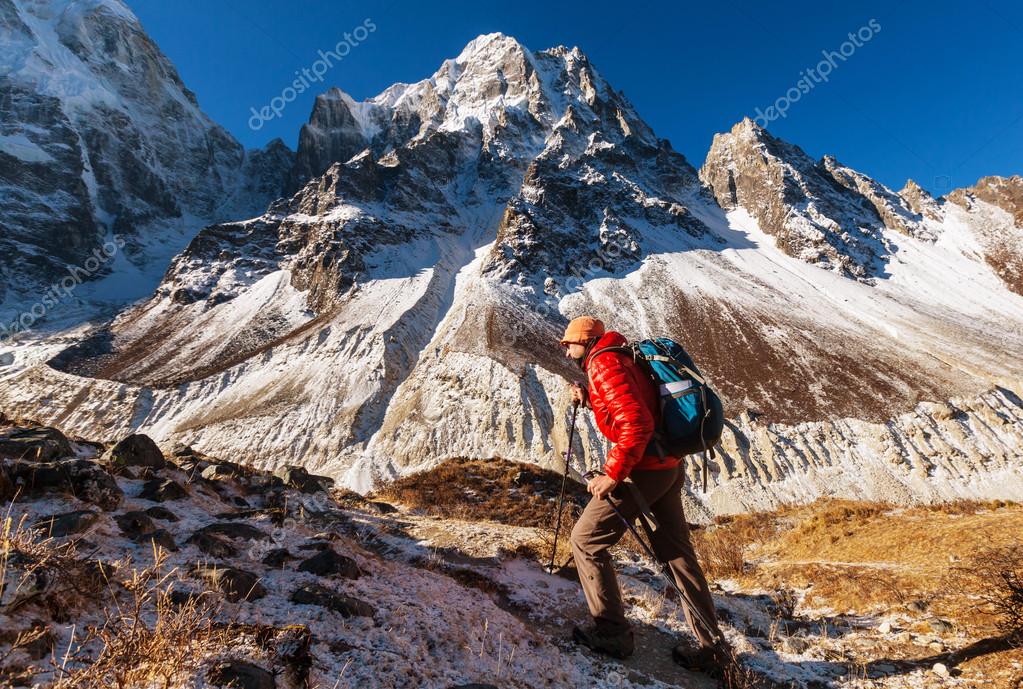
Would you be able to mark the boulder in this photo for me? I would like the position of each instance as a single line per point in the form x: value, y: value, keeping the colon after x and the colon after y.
x: 316, y: 545
x: 236, y: 584
x: 297, y: 477
x: 82, y: 478
x: 292, y: 645
x: 382, y: 507
x: 917, y: 606
x: 277, y: 557
x: 214, y: 546
x: 161, y: 490
x: 162, y: 513
x: 235, y: 530
x: 328, y: 562
x: 263, y: 482
x: 940, y: 626
x: 795, y: 644
x: 67, y: 523
x: 6, y: 484
x: 347, y: 606
x: 182, y: 450
x: 162, y: 538
x: 42, y: 444
x: 248, y: 513
x: 136, y: 450
x: 219, y: 472
x: 240, y: 674
x: 179, y: 597
x: 135, y: 524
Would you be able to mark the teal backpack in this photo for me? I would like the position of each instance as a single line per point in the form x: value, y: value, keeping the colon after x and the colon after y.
x: 692, y: 417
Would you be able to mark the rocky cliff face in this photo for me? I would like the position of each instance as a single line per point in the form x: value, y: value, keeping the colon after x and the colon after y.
x: 995, y: 206
x: 820, y: 212
x: 404, y: 304
x: 99, y: 137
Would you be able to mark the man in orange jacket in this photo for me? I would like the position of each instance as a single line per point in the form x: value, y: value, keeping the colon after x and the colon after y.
x: 625, y: 407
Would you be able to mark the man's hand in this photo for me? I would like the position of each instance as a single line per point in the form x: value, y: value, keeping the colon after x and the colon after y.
x: 600, y: 485
x: 578, y: 394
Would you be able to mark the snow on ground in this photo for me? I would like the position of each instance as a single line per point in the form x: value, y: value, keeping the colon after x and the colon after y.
x: 428, y: 629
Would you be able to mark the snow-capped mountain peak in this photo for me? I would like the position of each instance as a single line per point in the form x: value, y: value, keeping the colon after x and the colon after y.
x: 100, y: 137
x: 403, y: 304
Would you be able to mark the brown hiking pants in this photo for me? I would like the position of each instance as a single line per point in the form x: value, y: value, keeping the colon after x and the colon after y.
x: 599, y: 528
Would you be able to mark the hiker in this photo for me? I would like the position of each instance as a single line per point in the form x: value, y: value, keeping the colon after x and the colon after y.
x: 625, y: 405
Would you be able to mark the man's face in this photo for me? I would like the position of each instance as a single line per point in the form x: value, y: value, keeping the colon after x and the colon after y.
x: 575, y: 351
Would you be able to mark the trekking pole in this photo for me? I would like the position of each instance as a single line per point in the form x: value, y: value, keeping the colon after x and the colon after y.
x: 665, y: 570
x: 564, y: 481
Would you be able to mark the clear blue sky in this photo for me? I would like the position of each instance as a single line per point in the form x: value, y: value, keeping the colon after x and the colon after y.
x: 936, y: 94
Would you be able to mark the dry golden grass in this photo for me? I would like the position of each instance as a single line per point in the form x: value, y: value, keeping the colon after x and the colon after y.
x: 498, y: 490
x: 726, y: 547
x: 868, y: 557
x: 145, y: 638
x: 495, y: 489
x: 41, y: 571
x: 142, y: 639
x: 918, y: 537
x: 995, y: 578
x: 958, y: 561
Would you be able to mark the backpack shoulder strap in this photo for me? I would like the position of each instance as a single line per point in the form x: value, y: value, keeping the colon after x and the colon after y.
x: 624, y: 349
x: 671, y: 360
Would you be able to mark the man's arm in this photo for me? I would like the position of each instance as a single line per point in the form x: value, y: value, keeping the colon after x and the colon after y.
x: 612, y: 381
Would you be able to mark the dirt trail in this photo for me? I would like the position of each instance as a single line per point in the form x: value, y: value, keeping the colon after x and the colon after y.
x: 548, y: 604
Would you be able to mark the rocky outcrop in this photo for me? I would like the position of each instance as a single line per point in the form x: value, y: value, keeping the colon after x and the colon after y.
x: 79, y: 477
x: 920, y: 201
x: 995, y: 204
x: 1004, y: 192
x: 895, y: 212
x: 41, y: 444
x: 819, y: 212
x: 136, y: 450
x: 332, y: 135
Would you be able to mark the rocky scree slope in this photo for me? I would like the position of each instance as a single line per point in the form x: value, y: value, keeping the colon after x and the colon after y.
x: 268, y: 580
x: 404, y: 304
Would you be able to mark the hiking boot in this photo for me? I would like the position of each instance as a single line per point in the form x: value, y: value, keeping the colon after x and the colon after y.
x: 617, y: 644
x: 710, y: 660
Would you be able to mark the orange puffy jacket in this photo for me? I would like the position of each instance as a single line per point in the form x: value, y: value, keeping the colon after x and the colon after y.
x: 625, y: 406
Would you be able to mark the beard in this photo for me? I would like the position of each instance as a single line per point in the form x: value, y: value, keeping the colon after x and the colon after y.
x: 580, y: 361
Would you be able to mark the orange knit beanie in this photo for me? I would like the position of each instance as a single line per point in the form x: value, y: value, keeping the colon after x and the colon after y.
x: 581, y: 329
